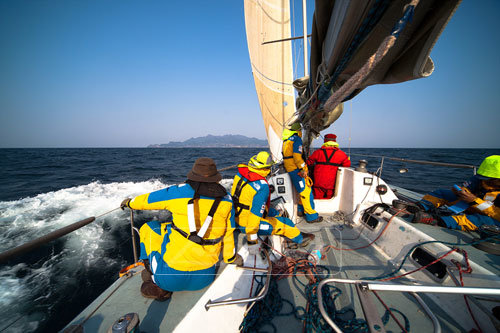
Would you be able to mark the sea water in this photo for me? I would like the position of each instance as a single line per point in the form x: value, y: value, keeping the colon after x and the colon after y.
x: 42, y: 190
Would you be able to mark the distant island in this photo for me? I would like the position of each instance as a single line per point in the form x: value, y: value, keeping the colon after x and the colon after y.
x: 215, y: 141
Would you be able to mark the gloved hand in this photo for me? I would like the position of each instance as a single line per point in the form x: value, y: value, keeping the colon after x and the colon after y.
x: 253, y: 249
x: 125, y: 203
x: 238, y: 261
x: 304, y: 173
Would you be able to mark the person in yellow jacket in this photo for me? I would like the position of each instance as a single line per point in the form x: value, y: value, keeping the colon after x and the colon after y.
x: 182, y: 254
x: 251, y: 198
x: 478, y: 201
x: 297, y: 169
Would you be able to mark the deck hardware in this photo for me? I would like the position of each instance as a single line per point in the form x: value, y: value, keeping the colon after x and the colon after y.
x: 362, y: 168
x: 381, y: 189
x: 475, y: 300
x: 427, y: 310
x: 255, y: 269
x: 365, y: 286
x: 370, y: 311
x: 261, y: 294
x: 436, y: 271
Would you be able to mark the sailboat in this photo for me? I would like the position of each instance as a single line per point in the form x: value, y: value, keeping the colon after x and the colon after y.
x: 368, y: 269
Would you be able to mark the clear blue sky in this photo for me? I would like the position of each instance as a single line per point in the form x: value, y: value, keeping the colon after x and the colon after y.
x: 123, y: 73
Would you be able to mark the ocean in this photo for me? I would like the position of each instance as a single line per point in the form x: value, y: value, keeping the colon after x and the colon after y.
x: 42, y: 190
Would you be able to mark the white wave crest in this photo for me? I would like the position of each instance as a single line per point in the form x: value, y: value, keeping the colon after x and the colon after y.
x: 29, y: 218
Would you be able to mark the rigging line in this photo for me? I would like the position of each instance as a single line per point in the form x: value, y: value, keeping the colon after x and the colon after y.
x: 98, y: 216
x: 468, y: 270
x: 390, y: 312
x: 294, y: 45
x: 449, y: 244
x: 229, y: 167
x: 269, y: 79
x: 327, y: 248
x: 421, y: 267
x: 350, y: 128
x: 452, y: 165
x: 273, y: 116
x: 297, y: 60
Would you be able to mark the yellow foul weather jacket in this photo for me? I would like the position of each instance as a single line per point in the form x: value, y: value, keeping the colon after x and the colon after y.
x: 183, y: 254
x: 292, y: 151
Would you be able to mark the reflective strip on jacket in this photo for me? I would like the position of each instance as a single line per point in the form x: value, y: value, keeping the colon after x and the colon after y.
x: 487, y: 203
x: 181, y: 253
x: 292, y: 153
x: 254, y: 195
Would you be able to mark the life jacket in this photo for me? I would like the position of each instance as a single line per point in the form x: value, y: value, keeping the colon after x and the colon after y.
x: 212, y: 190
x: 247, y: 177
x: 326, y: 166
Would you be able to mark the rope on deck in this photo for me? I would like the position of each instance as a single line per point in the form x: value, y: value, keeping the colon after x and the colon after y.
x: 263, y: 312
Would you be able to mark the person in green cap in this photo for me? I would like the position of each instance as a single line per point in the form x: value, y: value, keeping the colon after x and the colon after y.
x: 474, y: 204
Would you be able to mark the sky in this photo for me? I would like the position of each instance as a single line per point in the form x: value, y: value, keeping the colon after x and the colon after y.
x: 128, y: 73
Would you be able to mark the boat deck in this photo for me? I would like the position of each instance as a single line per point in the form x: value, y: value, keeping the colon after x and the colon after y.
x: 371, y: 261
x: 364, y: 263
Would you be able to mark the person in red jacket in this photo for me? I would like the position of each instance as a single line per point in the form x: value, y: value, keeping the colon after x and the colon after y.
x: 326, y: 162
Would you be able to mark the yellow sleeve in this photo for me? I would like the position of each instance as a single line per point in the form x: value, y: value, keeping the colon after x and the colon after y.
x: 252, y: 228
x: 141, y: 203
x: 487, y: 208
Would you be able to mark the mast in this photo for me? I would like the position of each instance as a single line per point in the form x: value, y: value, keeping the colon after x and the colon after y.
x: 304, y: 23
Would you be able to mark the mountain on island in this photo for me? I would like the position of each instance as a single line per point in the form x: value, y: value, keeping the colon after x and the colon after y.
x: 215, y: 141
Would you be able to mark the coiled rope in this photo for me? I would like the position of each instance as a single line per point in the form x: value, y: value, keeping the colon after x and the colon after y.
x: 263, y: 312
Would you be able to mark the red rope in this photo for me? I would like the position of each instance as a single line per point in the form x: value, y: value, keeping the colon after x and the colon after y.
x: 468, y: 270
x: 390, y: 312
x: 420, y: 268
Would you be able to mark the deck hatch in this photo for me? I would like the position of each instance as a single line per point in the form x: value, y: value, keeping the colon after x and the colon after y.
x: 421, y: 257
x: 371, y: 221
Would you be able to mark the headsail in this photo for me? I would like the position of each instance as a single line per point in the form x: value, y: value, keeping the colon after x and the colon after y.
x: 272, y: 68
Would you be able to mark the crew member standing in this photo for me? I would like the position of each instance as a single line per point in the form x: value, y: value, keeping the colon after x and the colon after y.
x: 325, y: 162
x: 297, y: 169
x: 182, y: 254
x: 251, y: 199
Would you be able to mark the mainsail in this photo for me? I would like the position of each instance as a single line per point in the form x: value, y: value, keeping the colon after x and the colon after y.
x: 272, y: 68
x: 358, y: 43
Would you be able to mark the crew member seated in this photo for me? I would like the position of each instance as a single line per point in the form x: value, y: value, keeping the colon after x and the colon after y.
x: 182, y: 254
x: 480, y: 197
x: 253, y: 213
x: 325, y: 163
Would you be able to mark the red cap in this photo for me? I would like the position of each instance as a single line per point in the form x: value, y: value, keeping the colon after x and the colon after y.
x: 330, y: 137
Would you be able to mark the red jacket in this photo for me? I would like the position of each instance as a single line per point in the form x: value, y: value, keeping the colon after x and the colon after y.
x: 326, y: 161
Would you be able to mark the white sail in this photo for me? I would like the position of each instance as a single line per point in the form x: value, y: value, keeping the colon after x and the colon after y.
x: 269, y: 20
